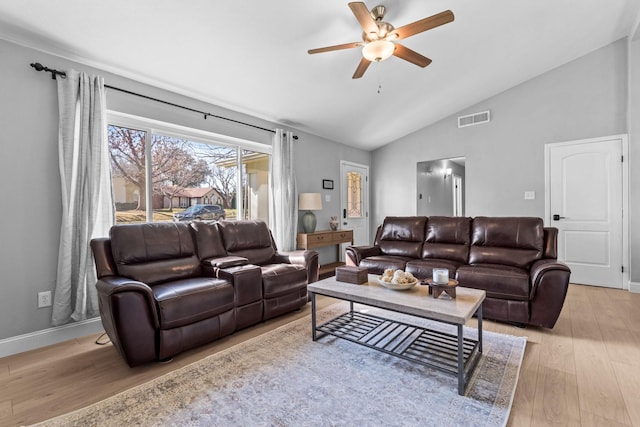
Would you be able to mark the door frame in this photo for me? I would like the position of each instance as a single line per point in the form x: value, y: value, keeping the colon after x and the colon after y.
x: 458, y: 203
x: 624, y: 138
x: 367, y: 202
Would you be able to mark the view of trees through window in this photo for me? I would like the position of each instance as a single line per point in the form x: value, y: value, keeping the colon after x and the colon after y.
x: 180, y: 174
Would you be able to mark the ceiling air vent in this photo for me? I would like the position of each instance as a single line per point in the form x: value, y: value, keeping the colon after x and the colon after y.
x: 474, y: 119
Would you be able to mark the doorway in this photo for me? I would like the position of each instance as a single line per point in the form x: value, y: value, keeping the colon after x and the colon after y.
x: 441, y: 187
x: 585, y: 199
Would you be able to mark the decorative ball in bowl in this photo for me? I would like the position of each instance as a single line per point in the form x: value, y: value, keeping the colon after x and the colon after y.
x: 397, y: 280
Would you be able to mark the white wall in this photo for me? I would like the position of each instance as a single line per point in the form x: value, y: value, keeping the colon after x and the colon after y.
x: 504, y: 158
x: 30, y: 182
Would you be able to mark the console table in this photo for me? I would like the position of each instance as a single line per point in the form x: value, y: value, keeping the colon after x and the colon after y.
x: 326, y: 238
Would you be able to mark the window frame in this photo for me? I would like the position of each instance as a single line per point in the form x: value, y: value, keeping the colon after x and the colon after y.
x: 153, y: 126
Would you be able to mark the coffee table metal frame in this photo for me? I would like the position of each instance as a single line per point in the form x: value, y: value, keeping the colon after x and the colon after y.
x: 451, y: 353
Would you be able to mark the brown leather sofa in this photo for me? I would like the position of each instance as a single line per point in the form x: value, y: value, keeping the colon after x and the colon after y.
x: 514, y: 259
x: 164, y: 288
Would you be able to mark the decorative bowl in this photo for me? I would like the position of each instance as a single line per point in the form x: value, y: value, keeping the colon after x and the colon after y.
x: 398, y: 286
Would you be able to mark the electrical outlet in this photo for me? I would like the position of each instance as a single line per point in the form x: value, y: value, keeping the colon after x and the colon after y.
x: 44, y: 299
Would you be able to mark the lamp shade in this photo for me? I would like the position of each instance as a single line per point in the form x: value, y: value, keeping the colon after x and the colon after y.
x: 378, y: 50
x: 309, y: 202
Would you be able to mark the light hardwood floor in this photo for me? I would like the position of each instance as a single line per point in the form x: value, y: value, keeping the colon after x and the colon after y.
x: 585, y: 371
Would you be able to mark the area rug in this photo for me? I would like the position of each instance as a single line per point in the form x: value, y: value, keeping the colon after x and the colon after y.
x: 283, y: 378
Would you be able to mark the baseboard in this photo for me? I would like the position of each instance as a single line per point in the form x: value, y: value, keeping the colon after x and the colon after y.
x: 634, y: 287
x: 45, y: 337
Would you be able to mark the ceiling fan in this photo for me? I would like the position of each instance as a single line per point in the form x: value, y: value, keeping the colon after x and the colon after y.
x: 379, y: 37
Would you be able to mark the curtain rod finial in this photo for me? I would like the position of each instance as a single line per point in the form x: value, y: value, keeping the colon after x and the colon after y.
x: 39, y: 67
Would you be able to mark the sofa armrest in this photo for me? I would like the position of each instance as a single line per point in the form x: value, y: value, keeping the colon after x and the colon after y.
x: 101, y: 249
x: 355, y: 254
x: 225, y: 262
x: 308, y: 259
x: 550, y: 243
x: 246, y: 281
x: 549, y: 284
x: 541, y: 267
x: 129, y: 317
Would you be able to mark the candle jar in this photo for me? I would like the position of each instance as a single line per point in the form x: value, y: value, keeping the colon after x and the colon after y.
x: 440, y: 276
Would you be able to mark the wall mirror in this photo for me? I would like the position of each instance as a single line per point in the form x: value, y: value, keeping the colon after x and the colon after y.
x: 441, y: 187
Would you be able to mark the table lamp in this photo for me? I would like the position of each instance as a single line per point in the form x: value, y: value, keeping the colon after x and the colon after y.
x: 309, y: 202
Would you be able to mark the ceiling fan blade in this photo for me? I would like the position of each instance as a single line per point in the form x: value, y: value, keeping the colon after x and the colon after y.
x: 336, y: 47
x: 362, y: 67
x: 424, y: 24
x: 364, y: 17
x: 411, y: 56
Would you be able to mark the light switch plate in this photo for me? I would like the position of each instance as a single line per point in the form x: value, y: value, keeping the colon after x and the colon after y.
x: 529, y: 195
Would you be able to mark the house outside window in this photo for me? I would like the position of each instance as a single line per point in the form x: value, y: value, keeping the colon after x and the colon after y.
x: 160, y: 169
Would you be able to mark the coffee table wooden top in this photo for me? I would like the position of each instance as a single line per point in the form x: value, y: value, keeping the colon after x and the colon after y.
x: 415, y: 301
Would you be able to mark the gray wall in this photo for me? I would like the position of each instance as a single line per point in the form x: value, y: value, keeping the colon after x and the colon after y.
x: 505, y: 157
x: 319, y: 159
x: 582, y: 99
x: 30, y: 182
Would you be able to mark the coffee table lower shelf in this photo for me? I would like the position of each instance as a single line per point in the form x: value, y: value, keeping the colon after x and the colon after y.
x: 446, y: 352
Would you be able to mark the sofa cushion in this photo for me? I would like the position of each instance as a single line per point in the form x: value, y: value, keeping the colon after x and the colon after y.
x: 447, y: 238
x: 402, y: 236
x: 378, y: 264
x: 499, y: 281
x: 423, y: 268
x: 509, y: 241
x: 208, y: 240
x: 281, y: 279
x: 183, y: 302
x: 154, y: 252
x: 248, y: 239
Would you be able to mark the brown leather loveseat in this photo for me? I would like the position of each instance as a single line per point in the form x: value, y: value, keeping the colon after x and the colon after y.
x: 164, y: 288
x: 514, y: 259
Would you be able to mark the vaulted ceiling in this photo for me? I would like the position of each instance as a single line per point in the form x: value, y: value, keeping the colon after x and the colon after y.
x: 251, y: 55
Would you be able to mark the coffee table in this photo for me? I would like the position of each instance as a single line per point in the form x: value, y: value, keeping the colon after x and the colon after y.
x: 451, y: 353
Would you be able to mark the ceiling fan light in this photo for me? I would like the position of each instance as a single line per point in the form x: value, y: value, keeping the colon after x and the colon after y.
x: 378, y: 50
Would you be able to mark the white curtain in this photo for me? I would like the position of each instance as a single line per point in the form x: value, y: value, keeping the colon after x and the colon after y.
x: 87, y: 201
x: 283, y: 209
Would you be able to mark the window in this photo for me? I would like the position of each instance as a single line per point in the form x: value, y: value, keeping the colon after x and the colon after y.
x: 159, y: 170
x: 354, y: 195
x: 255, y: 185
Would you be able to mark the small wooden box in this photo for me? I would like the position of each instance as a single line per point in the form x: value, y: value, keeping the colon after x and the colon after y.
x: 352, y: 274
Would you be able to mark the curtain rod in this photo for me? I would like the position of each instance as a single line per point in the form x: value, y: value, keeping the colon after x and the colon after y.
x: 39, y: 67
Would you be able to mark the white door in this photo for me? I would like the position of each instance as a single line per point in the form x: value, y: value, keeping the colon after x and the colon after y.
x: 354, y: 201
x: 585, y: 204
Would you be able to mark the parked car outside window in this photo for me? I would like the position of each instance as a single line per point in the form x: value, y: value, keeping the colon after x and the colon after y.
x: 200, y: 212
